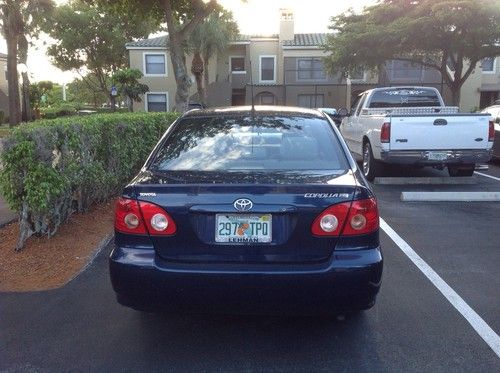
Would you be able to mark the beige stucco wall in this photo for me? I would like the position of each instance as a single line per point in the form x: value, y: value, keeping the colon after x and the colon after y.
x: 265, y: 47
x: 469, y: 94
x: 492, y: 77
x: 164, y: 84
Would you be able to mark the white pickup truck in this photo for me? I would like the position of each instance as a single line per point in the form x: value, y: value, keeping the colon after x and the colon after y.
x: 412, y: 126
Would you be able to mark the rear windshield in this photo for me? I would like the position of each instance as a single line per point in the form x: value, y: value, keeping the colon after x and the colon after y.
x: 250, y: 143
x: 404, y: 97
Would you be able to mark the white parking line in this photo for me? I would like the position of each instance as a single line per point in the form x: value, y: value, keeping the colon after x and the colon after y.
x: 486, y: 175
x: 479, y: 325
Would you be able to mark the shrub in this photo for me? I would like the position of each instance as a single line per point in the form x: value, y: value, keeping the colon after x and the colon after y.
x: 52, y: 168
x: 62, y: 110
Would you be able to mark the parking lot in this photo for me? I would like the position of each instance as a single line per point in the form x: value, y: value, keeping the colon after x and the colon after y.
x: 438, y: 310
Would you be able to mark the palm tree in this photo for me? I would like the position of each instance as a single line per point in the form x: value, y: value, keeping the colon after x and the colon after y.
x: 208, y: 39
x: 20, y: 19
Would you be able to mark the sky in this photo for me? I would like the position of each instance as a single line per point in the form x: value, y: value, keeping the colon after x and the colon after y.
x: 259, y: 17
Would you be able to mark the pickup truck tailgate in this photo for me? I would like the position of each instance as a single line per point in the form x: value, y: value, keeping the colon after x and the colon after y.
x: 432, y: 132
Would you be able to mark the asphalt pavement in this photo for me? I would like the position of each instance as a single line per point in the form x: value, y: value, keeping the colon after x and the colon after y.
x: 413, y: 327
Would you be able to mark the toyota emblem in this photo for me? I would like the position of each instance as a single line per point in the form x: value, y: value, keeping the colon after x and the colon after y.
x: 243, y: 204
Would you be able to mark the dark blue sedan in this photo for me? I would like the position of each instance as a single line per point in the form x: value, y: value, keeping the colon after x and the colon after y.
x: 243, y: 210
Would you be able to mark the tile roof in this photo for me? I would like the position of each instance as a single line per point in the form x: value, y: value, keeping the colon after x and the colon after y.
x: 158, y: 42
x: 306, y: 40
x: 300, y: 40
x: 3, y: 55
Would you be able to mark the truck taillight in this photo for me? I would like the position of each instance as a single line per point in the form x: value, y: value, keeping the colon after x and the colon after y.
x: 491, y: 131
x: 385, y: 133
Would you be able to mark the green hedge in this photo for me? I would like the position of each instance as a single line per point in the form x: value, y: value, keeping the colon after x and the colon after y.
x: 60, y: 110
x: 52, y: 168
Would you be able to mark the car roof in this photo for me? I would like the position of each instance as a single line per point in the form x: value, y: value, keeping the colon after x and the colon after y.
x: 258, y: 110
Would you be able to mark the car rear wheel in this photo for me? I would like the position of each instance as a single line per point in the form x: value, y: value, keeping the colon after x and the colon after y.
x: 462, y: 170
x: 371, y: 167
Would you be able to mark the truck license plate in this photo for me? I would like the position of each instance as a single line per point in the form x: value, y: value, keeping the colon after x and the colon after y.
x: 236, y: 228
x: 437, y: 156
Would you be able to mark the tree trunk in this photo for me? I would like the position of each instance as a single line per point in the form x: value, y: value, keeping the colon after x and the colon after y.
x: 182, y: 78
x: 176, y: 38
x: 27, y: 114
x: 14, y: 100
x: 130, y: 103
x: 455, y: 95
x: 23, y: 46
x: 206, y: 79
x: 197, y: 70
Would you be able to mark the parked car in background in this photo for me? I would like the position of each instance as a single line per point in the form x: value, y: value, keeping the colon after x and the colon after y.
x: 412, y: 126
x: 246, y: 210
x: 494, y: 111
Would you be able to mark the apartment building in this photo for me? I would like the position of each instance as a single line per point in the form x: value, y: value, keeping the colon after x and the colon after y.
x: 287, y: 69
x: 4, y: 89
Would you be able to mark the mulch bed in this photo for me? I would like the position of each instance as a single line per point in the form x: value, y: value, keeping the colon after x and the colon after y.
x: 48, y: 263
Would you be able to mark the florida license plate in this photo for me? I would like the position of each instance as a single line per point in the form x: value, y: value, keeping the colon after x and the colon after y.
x: 437, y: 156
x: 236, y: 228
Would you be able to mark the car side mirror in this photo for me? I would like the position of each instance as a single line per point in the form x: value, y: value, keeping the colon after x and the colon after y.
x: 343, y: 112
x: 497, y: 120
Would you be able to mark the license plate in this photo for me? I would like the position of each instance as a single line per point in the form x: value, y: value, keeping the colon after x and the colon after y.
x: 437, y: 156
x: 236, y: 228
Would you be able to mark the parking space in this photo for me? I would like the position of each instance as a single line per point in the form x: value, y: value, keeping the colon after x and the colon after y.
x: 413, y: 327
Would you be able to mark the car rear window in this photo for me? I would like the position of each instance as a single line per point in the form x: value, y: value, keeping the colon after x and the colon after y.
x: 250, y: 143
x: 404, y: 97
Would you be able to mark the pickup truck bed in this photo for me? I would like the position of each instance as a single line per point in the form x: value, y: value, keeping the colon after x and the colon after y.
x: 431, y: 135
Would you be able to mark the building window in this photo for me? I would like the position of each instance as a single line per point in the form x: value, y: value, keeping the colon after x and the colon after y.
x: 267, y: 98
x: 488, y: 65
x: 156, y: 102
x: 237, y: 64
x: 310, y: 69
x: 155, y: 64
x: 310, y: 101
x: 402, y: 70
x: 267, y: 68
x: 357, y: 74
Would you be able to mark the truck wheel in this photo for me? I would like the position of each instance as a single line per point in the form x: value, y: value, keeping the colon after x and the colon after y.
x: 371, y: 167
x: 465, y: 170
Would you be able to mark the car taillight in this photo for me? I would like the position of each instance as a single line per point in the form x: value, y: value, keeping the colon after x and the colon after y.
x: 385, y: 132
x: 363, y: 217
x: 139, y: 217
x: 356, y: 218
x: 128, y: 217
x: 158, y: 221
x: 491, y: 131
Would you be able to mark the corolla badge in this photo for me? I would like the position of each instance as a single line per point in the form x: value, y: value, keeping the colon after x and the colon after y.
x: 243, y: 204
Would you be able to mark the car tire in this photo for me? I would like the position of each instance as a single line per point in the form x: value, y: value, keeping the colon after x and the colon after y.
x: 463, y: 170
x: 371, y: 166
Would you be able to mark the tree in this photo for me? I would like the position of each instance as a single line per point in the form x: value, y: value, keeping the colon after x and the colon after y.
x: 20, y: 20
x: 83, y: 91
x: 181, y: 17
x: 38, y: 91
x: 129, y: 86
x: 451, y: 36
x: 212, y: 36
x: 98, y: 45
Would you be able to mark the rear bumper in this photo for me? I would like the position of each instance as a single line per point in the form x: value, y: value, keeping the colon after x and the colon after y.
x: 350, y: 281
x: 421, y: 157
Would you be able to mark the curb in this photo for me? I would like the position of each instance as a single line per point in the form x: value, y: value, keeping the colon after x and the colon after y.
x: 450, y: 196
x: 468, y: 180
x: 104, y: 242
